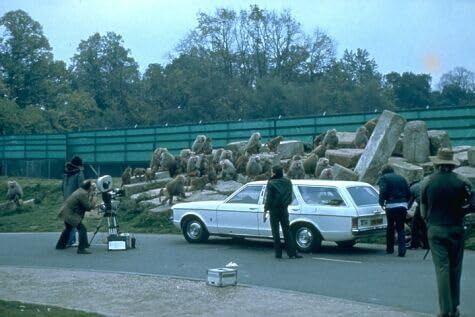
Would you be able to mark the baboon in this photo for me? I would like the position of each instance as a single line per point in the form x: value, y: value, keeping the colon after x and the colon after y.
x: 253, y: 167
x: 149, y: 175
x: 203, y: 164
x: 273, y: 144
x: 318, y: 139
x: 217, y: 155
x: 326, y: 174
x: 168, y: 163
x: 296, y: 170
x: 254, y: 144
x: 228, y: 171
x: 331, y: 139
x: 175, y: 187
x: 198, y: 144
x: 310, y: 163
x: 212, y: 175
x: 126, y: 176
x: 198, y: 183
x: 193, y: 166
x: 266, y: 164
x: 322, y: 163
x: 155, y: 162
x: 361, y: 138
x: 370, y: 125
x: 320, y: 150
x: 207, y: 146
x: 183, y: 160
x: 241, y: 163
x: 226, y: 155
x: 15, y: 192
x: 139, y: 173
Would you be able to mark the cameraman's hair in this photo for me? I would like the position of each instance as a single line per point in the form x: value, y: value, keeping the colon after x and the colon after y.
x: 386, y: 169
x: 86, y: 185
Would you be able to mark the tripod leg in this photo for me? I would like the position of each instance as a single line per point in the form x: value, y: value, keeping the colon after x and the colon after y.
x: 99, y: 225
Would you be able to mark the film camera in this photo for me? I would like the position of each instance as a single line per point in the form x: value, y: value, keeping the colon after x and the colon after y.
x: 110, y: 206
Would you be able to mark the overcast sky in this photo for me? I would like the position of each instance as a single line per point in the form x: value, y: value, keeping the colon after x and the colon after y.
x: 406, y: 35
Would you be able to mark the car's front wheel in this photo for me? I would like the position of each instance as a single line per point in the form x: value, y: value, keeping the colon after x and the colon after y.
x: 306, y: 238
x: 194, y: 231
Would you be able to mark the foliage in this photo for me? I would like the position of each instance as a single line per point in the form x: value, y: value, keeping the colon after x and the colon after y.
x: 252, y: 63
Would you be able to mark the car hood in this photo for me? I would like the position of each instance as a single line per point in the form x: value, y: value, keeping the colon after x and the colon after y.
x: 210, y: 204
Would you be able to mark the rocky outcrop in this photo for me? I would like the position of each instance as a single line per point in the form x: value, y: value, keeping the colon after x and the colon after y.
x: 416, y: 144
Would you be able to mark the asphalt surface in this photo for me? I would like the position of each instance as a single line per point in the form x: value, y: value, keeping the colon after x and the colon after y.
x: 364, y: 274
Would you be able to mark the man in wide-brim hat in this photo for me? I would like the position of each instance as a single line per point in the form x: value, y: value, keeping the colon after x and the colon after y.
x: 442, y: 196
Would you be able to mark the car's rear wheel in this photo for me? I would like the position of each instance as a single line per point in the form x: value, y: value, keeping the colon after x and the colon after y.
x: 194, y: 231
x: 306, y: 238
x: 346, y: 244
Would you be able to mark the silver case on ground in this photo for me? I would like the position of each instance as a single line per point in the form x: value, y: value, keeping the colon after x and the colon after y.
x: 222, y: 277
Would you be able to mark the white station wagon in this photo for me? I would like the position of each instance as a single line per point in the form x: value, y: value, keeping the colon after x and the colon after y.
x: 339, y: 211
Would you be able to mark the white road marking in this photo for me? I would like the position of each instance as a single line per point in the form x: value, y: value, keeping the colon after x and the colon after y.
x: 335, y: 260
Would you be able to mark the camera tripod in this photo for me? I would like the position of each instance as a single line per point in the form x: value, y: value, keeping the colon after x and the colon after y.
x: 109, y: 219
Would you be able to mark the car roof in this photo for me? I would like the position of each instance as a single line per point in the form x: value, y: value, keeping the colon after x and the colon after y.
x: 315, y: 182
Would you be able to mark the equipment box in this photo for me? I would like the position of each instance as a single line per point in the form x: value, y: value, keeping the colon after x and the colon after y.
x: 222, y: 277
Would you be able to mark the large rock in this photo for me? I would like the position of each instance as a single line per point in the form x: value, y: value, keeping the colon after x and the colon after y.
x: 461, y: 148
x: 158, y: 175
x: 10, y: 206
x: 471, y: 156
x: 462, y: 157
x: 468, y: 172
x: 342, y: 173
x: 398, y: 150
x: 346, y: 139
x: 287, y: 149
x: 416, y: 144
x: 149, y: 194
x: 410, y: 172
x: 345, y: 157
x: 143, y: 187
x: 227, y: 187
x: 396, y: 159
x: 236, y: 147
x: 273, y: 157
x: 438, y: 139
x: 428, y: 167
x: 380, y: 146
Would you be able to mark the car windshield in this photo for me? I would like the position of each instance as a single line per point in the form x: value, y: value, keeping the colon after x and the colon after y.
x: 314, y: 195
x: 249, y: 195
x: 364, y: 195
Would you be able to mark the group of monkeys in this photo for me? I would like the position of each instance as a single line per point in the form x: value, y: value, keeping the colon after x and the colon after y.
x: 200, y: 165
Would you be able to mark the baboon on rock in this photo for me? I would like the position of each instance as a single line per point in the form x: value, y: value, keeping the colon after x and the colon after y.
x: 322, y: 164
x: 296, y: 170
x: 126, y: 176
x: 331, y: 139
x: 273, y: 144
x: 253, y: 167
x: 175, y: 187
x: 310, y: 163
x: 361, y: 138
x: 228, y: 171
x: 139, y: 173
x: 193, y: 166
x: 327, y: 174
x: 199, y: 183
x: 254, y: 144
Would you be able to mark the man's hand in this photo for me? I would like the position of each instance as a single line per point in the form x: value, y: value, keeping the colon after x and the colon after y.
x: 264, y: 216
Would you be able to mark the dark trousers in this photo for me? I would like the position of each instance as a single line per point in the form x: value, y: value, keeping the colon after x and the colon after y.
x: 396, y: 218
x: 64, y: 237
x: 446, y: 244
x: 281, y: 216
x: 418, y: 231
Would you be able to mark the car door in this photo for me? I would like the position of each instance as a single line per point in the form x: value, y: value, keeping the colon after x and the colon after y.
x: 264, y: 227
x: 238, y: 214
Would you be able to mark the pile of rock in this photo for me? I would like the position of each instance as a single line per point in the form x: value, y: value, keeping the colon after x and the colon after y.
x: 211, y: 174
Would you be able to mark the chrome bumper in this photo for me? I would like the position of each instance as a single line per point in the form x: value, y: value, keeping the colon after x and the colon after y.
x: 369, y: 231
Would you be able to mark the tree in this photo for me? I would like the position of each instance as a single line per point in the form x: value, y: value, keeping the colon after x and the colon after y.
x: 26, y: 62
x: 103, y: 68
x: 459, y: 76
x: 409, y: 90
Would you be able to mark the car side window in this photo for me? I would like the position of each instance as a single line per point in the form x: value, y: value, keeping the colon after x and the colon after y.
x: 249, y: 195
x: 327, y: 196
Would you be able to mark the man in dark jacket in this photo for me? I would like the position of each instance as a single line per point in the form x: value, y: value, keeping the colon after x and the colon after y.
x: 394, y: 195
x: 278, y: 198
x: 443, y: 195
x: 72, y: 212
x: 72, y: 179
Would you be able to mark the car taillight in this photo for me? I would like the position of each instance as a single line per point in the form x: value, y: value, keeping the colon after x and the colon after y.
x: 354, y: 223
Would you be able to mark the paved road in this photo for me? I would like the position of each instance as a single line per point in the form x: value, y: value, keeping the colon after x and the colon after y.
x: 364, y: 274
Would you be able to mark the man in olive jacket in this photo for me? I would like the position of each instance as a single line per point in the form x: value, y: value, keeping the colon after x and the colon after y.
x: 443, y: 195
x: 278, y: 198
x: 72, y: 212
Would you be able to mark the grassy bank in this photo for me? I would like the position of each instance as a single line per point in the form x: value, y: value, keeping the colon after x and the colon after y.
x: 42, y: 216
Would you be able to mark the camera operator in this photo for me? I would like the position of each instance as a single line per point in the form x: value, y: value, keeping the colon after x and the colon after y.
x: 72, y: 212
